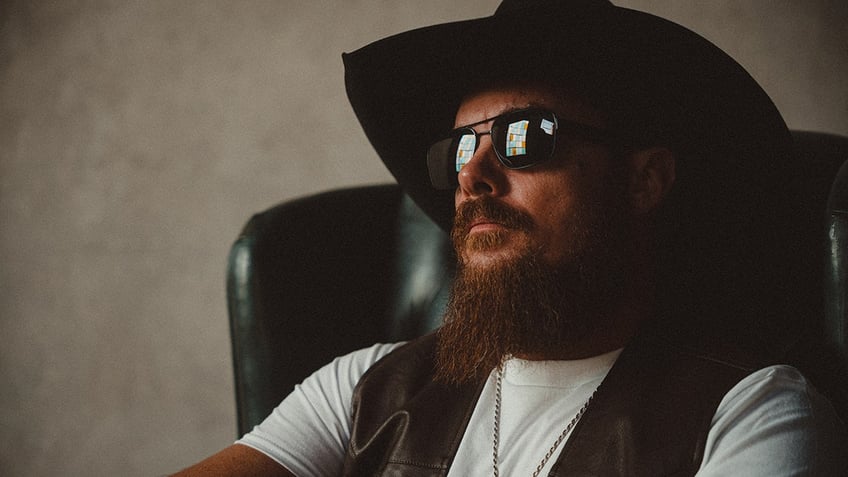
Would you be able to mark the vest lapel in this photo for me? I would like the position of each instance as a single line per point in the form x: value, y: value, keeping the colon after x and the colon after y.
x: 404, y: 423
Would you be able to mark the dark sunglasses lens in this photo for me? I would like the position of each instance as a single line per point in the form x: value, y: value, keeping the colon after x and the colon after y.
x: 466, y: 143
x: 520, y: 139
x: 446, y: 157
x: 524, y: 138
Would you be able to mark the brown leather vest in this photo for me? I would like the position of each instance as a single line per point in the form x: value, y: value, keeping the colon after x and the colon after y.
x: 650, y: 416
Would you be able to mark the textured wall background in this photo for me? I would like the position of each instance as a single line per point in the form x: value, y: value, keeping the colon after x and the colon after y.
x: 136, y: 137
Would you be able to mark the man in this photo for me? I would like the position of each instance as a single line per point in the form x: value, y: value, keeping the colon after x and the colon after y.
x: 616, y: 184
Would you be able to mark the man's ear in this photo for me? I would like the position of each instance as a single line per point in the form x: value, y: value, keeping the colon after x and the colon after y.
x: 652, y: 173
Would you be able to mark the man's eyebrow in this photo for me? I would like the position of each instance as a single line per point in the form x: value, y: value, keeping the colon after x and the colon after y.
x: 505, y: 111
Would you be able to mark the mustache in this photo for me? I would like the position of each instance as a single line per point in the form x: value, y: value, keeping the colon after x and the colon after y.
x: 490, y: 210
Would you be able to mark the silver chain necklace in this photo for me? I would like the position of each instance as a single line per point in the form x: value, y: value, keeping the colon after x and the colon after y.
x: 497, y: 426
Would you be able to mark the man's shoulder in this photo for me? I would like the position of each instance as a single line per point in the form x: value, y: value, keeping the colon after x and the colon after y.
x: 409, y: 362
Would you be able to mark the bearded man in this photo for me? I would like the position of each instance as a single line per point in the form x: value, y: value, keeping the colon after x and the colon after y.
x: 609, y: 171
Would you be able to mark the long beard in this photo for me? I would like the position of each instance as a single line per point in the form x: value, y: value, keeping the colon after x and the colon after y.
x: 524, y: 306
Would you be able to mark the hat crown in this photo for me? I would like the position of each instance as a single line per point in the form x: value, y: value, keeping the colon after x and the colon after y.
x: 511, y: 6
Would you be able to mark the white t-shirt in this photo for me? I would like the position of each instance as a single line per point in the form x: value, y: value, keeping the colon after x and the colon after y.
x: 772, y: 423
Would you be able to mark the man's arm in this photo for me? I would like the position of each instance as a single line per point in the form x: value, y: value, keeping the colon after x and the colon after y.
x: 237, y: 461
x: 308, y: 431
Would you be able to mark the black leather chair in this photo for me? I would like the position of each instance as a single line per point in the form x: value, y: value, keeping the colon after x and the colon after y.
x: 317, y: 277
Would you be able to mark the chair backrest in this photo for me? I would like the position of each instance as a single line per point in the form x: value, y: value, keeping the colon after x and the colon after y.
x: 320, y: 276
x: 822, y: 351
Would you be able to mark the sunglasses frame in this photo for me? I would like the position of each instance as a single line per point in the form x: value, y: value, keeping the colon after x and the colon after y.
x: 443, y: 174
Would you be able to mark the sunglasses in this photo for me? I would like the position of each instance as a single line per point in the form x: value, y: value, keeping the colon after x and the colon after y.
x: 521, y: 139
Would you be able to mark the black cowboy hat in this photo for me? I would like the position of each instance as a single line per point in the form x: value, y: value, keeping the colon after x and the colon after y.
x: 660, y: 82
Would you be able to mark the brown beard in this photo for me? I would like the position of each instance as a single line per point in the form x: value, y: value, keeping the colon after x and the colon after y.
x: 523, y: 306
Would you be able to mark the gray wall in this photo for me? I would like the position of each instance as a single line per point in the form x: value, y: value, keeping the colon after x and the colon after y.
x: 136, y: 137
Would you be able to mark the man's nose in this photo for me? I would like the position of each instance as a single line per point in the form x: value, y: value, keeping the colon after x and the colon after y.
x: 483, y: 174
